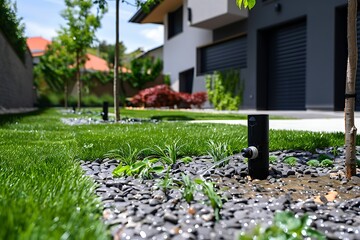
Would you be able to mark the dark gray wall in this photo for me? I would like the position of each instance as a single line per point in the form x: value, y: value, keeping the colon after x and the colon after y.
x: 16, y: 78
x: 320, y: 74
x: 230, y: 30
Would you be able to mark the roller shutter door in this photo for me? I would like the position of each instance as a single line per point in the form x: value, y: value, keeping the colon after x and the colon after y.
x: 229, y: 54
x: 287, y: 68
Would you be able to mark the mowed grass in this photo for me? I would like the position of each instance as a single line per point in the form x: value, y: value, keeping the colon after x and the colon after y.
x: 43, y: 193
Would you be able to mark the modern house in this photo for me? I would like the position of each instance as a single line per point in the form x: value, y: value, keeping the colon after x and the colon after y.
x: 291, y: 53
x: 16, y: 77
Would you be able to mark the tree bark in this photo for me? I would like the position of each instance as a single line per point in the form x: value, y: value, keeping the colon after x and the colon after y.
x: 65, y: 94
x: 78, y: 80
x: 116, y: 66
x: 350, y: 93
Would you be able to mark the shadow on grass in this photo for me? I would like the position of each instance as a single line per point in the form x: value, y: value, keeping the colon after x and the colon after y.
x: 172, y: 118
x: 15, y: 117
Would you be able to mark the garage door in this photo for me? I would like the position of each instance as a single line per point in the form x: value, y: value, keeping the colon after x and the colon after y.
x: 287, y: 68
x: 230, y: 54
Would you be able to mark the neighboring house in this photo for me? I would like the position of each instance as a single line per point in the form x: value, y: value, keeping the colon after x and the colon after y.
x: 291, y: 53
x: 16, y: 77
x: 155, y: 53
x: 37, y: 46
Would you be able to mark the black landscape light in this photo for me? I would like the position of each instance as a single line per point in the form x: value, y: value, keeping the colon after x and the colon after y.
x: 258, y: 150
x: 105, y: 111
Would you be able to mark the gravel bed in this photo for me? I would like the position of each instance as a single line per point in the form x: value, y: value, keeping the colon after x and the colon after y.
x: 82, y: 120
x: 139, y: 209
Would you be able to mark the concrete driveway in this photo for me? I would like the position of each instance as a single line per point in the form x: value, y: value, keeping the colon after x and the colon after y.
x: 316, y: 121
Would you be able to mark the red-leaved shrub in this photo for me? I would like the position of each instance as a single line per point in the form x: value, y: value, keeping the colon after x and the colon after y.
x: 164, y: 96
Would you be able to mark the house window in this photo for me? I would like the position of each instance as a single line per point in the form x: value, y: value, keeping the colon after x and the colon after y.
x: 175, y: 22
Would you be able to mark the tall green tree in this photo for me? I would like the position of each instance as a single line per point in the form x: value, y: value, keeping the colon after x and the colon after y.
x: 79, y: 33
x: 144, y: 70
x: 55, y: 68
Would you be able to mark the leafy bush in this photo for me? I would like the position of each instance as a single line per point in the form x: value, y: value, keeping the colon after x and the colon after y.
x: 164, y: 96
x: 12, y: 27
x: 225, y: 90
x: 143, y: 70
x: 57, y: 99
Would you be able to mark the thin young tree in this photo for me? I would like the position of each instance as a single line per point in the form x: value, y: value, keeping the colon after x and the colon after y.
x: 116, y: 66
x: 350, y: 92
x: 54, y: 68
x: 80, y: 33
x: 102, y: 5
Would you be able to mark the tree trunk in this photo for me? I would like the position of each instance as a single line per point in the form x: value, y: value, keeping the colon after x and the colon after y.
x: 65, y: 94
x: 116, y: 66
x: 350, y: 93
x: 78, y: 80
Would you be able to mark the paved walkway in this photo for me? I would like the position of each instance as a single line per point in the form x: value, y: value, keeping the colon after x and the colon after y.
x: 316, y: 121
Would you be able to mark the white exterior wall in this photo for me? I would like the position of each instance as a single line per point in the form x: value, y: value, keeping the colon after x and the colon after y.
x: 180, y: 50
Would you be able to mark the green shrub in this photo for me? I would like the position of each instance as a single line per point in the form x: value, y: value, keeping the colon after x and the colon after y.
x: 225, y: 90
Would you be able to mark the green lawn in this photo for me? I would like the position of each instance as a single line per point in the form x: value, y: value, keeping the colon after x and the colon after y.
x: 43, y: 194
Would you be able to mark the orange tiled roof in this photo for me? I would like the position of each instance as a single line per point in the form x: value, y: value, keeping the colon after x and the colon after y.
x: 95, y: 63
x: 37, y: 45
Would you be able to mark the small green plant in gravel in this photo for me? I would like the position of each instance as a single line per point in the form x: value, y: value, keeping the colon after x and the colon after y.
x: 186, y: 159
x: 358, y: 163
x: 127, y: 156
x: 291, y: 161
x: 286, y: 225
x: 219, y: 151
x: 169, y: 154
x: 144, y: 169
x: 166, y: 183
x: 327, y: 163
x: 313, y: 163
x: 272, y: 159
x: 214, y: 199
x: 188, y: 188
x: 335, y: 151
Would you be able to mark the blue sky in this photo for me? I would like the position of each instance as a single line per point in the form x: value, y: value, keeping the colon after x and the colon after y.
x: 42, y: 18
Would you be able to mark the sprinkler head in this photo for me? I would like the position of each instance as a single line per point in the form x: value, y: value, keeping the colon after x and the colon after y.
x: 250, y: 152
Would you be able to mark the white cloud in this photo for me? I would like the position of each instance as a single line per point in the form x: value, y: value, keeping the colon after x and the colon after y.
x: 34, y: 29
x: 154, y: 34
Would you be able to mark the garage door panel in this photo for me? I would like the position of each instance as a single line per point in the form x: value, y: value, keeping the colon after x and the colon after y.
x: 225, y: 55
x: 287, y: 67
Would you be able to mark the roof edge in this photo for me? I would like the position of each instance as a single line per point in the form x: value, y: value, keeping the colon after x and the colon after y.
x: 141, y: 14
